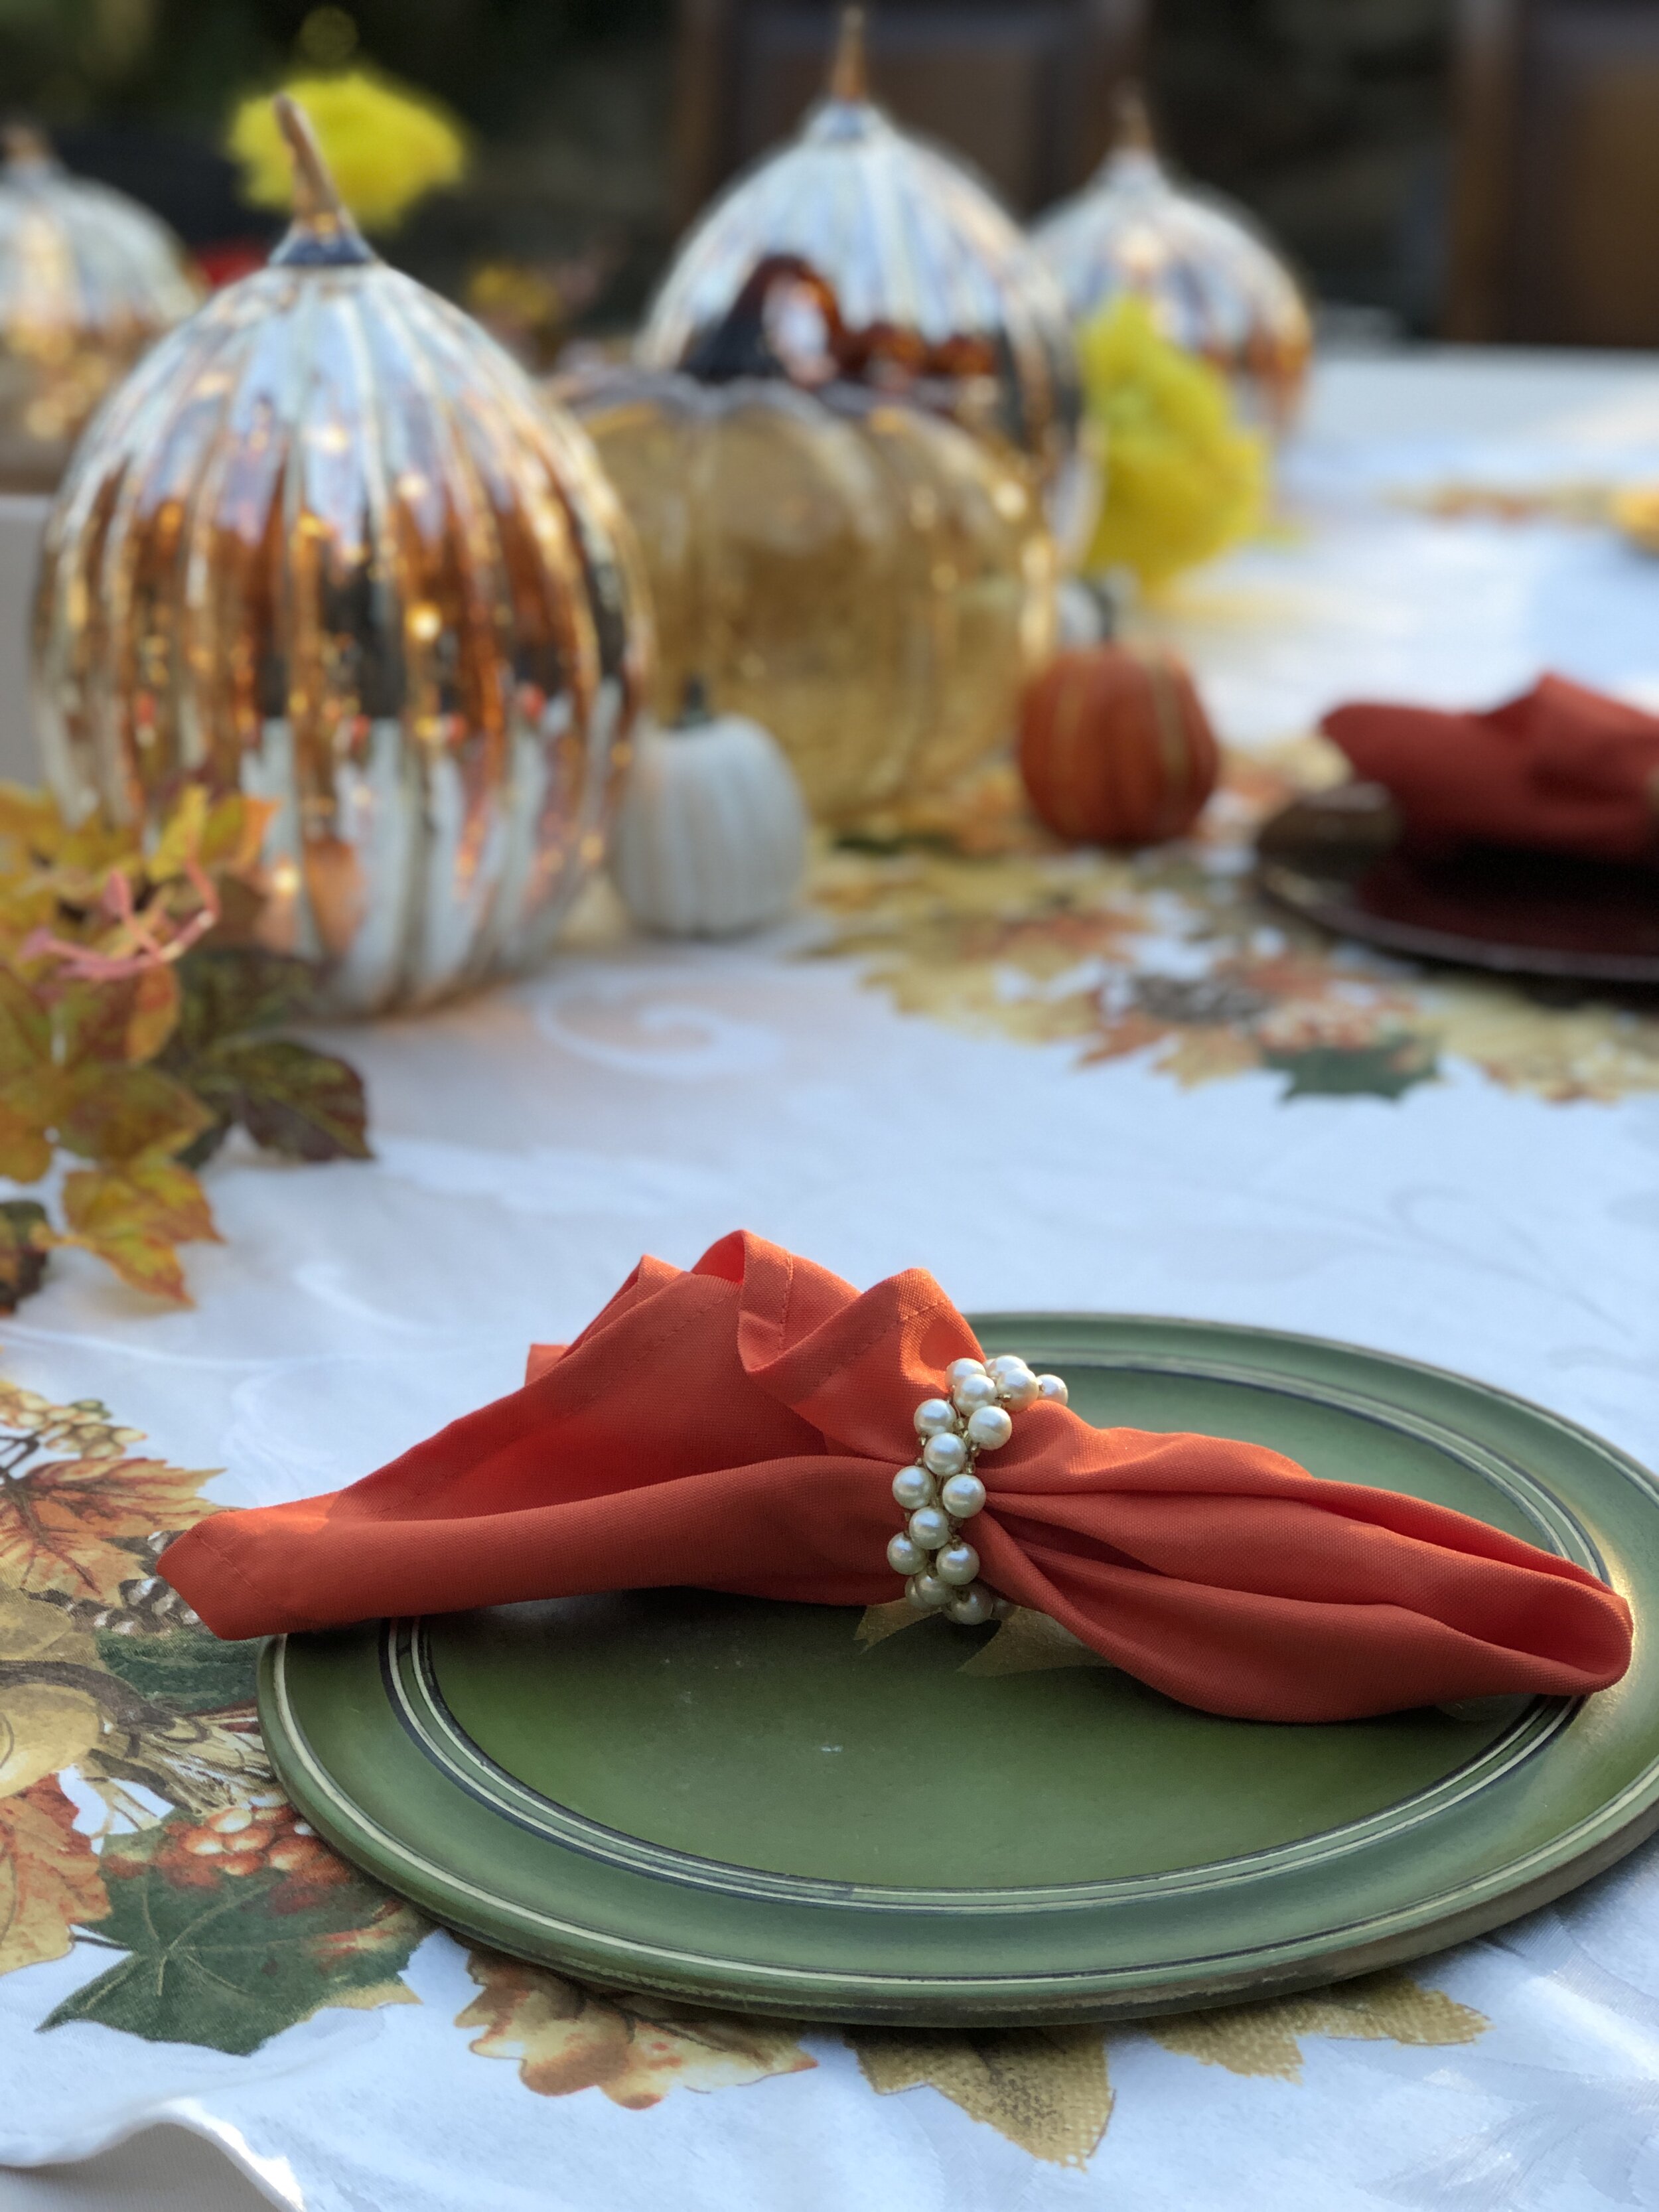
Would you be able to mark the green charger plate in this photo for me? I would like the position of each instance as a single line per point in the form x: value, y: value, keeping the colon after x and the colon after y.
x: 747, y: 1804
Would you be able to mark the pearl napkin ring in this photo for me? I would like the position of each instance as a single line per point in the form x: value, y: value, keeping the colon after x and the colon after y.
x: 942, y: 1490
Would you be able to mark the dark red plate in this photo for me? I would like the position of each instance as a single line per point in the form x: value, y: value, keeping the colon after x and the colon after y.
x: 1336, y: 858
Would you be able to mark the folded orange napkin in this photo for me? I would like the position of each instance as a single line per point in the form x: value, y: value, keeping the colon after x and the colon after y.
x: 1564, y: 768
x: 739, y: 1428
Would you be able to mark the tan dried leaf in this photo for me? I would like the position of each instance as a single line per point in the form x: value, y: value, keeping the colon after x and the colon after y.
x: 48, y: 1877
x: 1029, y: 1643
x: 1264, y: 2038
x: 877, y: 1622
x: 566, y: 2037
x: 1044, y: 2088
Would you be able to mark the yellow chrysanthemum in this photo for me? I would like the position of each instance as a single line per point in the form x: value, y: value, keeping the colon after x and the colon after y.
x: 1183, y: 480
x: 1635, y: 511
x: 387, y: 146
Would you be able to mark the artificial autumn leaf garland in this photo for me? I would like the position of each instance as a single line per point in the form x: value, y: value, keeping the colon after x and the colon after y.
x: 135, y: 1021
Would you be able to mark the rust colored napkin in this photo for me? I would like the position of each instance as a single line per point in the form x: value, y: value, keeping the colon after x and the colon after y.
x: 739, y: 1427
x: 1562, y: 769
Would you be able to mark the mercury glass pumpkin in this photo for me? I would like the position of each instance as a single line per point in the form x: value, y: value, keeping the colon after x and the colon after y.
x: 862, y: 578
x: 935, y: 291
x: 1217, y: 288
x: 88, y: 279
x: 327, y: 546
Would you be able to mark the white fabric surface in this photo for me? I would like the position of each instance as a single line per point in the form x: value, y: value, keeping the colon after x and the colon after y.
x: 533, y: 1142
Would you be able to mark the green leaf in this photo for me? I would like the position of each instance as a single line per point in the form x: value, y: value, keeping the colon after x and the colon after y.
x: 1386, y: 1069
x: 188, y: 1669
x: 118, y: 1018
x: 132, y: 1217
x: 221, y: 1963
x: 292, y: 1099
x: 114, y: 1114
x: 230, y: 989
x: 25, y: 1026
x: 22, y: 1260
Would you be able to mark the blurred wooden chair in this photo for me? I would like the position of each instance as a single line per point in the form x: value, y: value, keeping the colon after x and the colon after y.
x: 1023, y: 89
x: 1555, y: 231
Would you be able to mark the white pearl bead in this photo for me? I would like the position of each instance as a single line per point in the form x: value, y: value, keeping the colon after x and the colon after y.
x: 948, y: 1455
x: 1005, y: 1366
x: 935, y: 1417
x: 1052, y: 1390
x: 989, y: 1428
x: 905, y: 1558
x: 962, y: 1496
x: 928, y: 1592
x: 957, y: 1563
x: 973, y: 1391
x: 1016, y: 1384
x: 972, y: 1608
x: 960, y: 1369
x: 913, y: 1486
x: 928, y: 1527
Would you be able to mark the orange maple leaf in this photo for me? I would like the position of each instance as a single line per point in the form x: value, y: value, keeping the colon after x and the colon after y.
x: 61, y: 1522
x: 48, y: 1877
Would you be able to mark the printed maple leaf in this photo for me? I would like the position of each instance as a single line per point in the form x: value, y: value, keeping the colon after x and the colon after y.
x: 68, y: 1525
x: 567, y: 2038
x: 48, y: 1877
x: 231, y: 1961
x: 1045, y: 2088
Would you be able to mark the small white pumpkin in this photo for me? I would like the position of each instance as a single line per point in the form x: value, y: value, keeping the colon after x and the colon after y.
x: 711, y: 835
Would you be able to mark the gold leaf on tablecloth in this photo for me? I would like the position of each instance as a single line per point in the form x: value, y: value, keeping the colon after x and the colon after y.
x: 1003, y: 932
x: 1264, y: 2038
x: 48, y: 1877
x: 1029, y: 1643
x: 566, y: 2037
x: 1044, y: 2088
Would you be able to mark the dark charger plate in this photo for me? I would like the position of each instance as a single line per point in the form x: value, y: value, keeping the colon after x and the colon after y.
x: 744, y: 1804
x: 1336, y: 858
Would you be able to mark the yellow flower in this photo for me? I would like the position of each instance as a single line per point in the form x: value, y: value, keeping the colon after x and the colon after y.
x: 1183, y: 480
x: 387, y: 146
x: 1636, y: 512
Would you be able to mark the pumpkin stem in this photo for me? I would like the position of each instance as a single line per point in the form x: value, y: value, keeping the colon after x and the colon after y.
x: 850, y: 75
x: 694, y: 709
x: 323, y: 232
x: 1133, y: 132
x: 25, y: 146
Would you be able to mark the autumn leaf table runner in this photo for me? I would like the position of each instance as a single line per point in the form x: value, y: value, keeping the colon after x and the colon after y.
x: 1063, y: 1081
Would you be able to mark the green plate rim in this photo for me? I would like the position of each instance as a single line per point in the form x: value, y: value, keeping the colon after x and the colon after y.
x: 1579, y: 1850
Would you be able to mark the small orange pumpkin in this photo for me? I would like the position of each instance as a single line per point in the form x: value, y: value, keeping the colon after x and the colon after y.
x: 1116, y: 747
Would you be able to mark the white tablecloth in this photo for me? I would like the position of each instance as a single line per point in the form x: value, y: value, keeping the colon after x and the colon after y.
x: 533, y: 1142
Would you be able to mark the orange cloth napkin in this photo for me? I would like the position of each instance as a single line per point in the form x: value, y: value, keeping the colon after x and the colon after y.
x: 739, y: 1427
x: 1564, y: 768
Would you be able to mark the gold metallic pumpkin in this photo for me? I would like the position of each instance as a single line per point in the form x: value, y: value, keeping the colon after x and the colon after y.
x: 862, y: 578
x: 1217, y: 288
x: 327, y: 546
x: 88, y: 279
x: 935, y: 292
